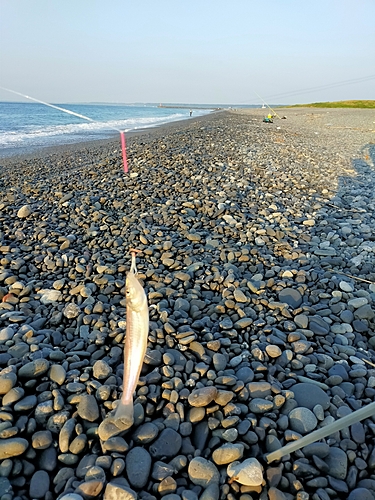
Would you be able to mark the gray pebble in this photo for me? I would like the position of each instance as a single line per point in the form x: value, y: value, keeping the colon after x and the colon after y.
x: 145, y: 433
x: 138, y: 466
x: 202, y: 472
x: 321, y: 450
x: 34, y: 369
x: 318, y: 326
x: 101, y: 369
x: 6, y: 334
x: 88, y: 408
x: 212, y: 492
x: 5, y: 488
x: 337, y: 462
x: 291, y: 296
x: 26, y: 404
x: 39, y: 484
x: 203, y: 396
x: 245, y: 374
x: 220, y: 361
x: 302, y: 420
x: 168, y: 444
x: 71, y: 496
x: 361, y: 494
x: 309, y: 395
x: 259, y: 405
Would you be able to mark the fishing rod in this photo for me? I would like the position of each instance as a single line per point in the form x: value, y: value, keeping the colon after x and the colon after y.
x: 69, y: 112
x: 264, y: 102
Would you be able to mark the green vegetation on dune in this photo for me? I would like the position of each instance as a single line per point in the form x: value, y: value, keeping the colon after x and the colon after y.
x: 338, y: 104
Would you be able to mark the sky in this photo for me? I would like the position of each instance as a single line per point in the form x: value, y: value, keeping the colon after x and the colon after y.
x: 180, y: 51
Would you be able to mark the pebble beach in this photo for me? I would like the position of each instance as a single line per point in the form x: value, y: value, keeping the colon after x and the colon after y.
x: 258, y: 261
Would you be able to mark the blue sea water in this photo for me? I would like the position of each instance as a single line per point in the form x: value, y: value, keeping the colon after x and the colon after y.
x: 26, y: 127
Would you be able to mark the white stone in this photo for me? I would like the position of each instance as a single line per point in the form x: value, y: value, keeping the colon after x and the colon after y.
x: 6, y: 334
x: 358, y: 302
x: 17, y: 285
x: 357, y: 260
x: 24, y: 212
x: 230, y: 220
x: 249, y: 472
x: 310, y: 368
x: 71, y: 311
x: 338, y: 328
x: 287, y: 274
x: 203, y: 472
x: 259, y: 241
x: 357, y: 361
x: 49, y: 296
x: 239, y: 296
x: 309, y: 222
x: 346, y: 287
x: 273, y: 351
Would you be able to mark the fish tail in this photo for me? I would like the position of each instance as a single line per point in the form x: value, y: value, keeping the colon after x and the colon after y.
x: 125, y: 411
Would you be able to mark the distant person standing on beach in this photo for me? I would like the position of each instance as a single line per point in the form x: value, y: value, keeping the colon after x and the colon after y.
x: 191, y: 112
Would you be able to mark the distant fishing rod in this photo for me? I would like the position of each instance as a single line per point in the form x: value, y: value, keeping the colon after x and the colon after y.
x: 69, y: 112
x: 264, y: 102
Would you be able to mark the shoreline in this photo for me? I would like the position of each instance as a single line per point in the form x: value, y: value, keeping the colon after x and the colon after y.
x: 74, y: 146
x: 315, y: 114
x: 258, y: 262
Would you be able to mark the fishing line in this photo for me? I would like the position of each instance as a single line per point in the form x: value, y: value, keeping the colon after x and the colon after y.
x: 324, y: 87
x: 327, y: 86
x: 69, y: 112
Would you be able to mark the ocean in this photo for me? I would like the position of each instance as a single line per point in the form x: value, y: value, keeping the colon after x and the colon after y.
x: 26, y: 127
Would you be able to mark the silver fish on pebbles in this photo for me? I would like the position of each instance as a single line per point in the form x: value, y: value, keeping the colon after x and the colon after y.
x: 137, y: 325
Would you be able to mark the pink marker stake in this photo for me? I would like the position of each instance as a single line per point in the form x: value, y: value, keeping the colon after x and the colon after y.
x: 123, y: 146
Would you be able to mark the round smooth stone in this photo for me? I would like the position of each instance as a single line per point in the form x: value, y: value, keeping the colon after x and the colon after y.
x: 249, y: 472
x: 291, y: 296
x: 202, y: 397
x: 202, y: 472
x: 310, y: 395
x: 302, y: 420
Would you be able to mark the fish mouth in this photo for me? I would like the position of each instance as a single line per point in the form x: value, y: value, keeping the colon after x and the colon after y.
x: 131, y: 279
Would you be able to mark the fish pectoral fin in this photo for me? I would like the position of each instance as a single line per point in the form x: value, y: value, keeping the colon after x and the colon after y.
x: 125, y: 412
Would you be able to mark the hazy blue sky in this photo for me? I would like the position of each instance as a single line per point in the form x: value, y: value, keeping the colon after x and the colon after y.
x: 202, y: 51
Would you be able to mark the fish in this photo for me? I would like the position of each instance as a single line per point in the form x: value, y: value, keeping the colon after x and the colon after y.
x: 137, y: 326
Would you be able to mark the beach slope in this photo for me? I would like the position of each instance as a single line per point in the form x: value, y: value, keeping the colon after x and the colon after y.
x: 258, y: 260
